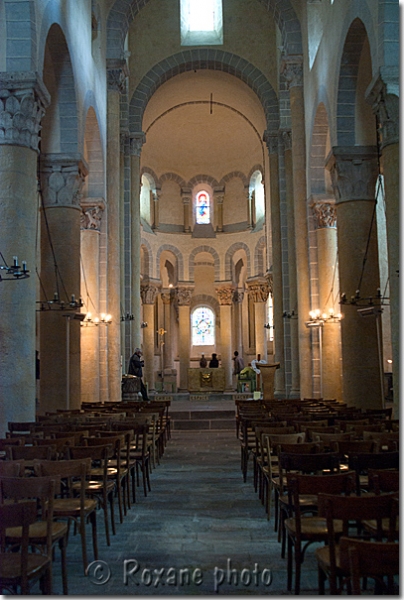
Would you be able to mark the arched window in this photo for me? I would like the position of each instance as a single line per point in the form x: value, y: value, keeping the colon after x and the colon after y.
x: 202, y: 207
x: 203, y: 327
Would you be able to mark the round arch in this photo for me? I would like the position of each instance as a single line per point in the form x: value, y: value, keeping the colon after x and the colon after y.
x: 211, y: 251
x: 178, y: 256
x: 229, y: 256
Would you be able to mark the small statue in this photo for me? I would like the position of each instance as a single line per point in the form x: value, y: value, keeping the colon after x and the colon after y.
x: 203, y: 363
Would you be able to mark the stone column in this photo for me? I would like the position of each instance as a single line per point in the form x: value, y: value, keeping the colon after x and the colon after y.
x: 218, y: 196
x: 238, y: 298
x: 166, y: 298
x: 225, y: 296
x: 156, y: 201
x: 186, y: 195
x: 62, y: 179
x: 249, y: 210
x: 293, y: 71
x: 149, y: 293
x: 290, y: 211
x: 384, y: 97
x: 123, y: 142
x: 258, y: 289
x: 136, y: 143
x: 117, y: 73
x: 271, y: 140
x: 92, y: 211
x: 328, y: 283
x: 354, y: 172
x: 23, y: 99
x: 183, y: 297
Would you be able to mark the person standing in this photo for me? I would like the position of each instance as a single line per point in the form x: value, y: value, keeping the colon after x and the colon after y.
x: 238, y: 366
x: 136, y: 365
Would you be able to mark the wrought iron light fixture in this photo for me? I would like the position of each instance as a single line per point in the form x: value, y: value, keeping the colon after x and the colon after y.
x: 14, y: 271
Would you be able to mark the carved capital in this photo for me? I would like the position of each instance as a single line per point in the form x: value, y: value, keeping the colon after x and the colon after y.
x: 292, y: 70
x: 92, y: 212
x: 225, y: 295
x: 148, y: 293
x: 258, y: 289
x: 124, y: 141
x: 136, y: 143
x: 353, y: 172
x: 117, y: 72
x: 287, y: 139
x: 325, y: 213
x: 62, y: 179
x: 238, y: 296
x: 271, y: 140
x: 183, y: 295
x: 166, y: 297
x: 23, y: 99
x: 384, y: 98
x: 270, y: 282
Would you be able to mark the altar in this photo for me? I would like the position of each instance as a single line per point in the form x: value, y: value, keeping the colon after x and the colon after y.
x: 206, y: 380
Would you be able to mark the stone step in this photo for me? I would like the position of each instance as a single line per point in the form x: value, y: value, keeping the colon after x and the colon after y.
x: 202, y: 419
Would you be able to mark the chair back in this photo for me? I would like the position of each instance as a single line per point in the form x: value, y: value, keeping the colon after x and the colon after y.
x: 384, y: 480
x: 11, y: 468
x: 346, y: 447
x: 20, y: 514
x: 376, y: 560
x: 302, y: 448
x: 47, y: 452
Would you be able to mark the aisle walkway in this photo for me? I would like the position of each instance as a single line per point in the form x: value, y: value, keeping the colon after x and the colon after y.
x: 199, y: 516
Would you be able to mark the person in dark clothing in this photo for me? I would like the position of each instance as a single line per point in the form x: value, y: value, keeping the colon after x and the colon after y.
x: 213, y: 363
x: 136, y: 365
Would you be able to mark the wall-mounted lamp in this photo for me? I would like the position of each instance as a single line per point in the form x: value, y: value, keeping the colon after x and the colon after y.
x: 90, y: 321
x: 143, y: 324
x: 289, y: 315
x: 14, y: 271
x: 377, y: 300
x: 268, y: 326
x: 319, y: 318
x: 127, y: 317
x: 57, y: 304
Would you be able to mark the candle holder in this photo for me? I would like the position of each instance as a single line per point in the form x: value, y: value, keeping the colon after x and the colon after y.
x: 14, y: 271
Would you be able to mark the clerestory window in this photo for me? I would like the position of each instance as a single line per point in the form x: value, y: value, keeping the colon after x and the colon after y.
x: 201, y: 22
x: 202, y: 207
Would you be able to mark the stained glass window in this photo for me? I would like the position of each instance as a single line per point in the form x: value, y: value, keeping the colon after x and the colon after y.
x: 203, y: 327
x: 202, y: 207
x: 201, y: 22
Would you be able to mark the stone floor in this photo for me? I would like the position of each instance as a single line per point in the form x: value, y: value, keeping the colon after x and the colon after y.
x: 199, y: 521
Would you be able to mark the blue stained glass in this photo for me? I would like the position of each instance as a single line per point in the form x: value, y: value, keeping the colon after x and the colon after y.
x: 203, y: 327
x: 202, y: 208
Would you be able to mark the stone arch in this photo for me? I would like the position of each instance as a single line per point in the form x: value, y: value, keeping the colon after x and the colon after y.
x: 259, y: 254
x: 229, y: 176
x: 211, y: 251
x: 60, y: 127
x: 255, y: 168
x: 347, y: 83
x: 148, y: 171
x: 208, y: 58
x: 178, y: 256
x: 228, y: 259
x: 173, y: 177
x: 123, y: 12
x: 146, y: 260
x: 202, y: 179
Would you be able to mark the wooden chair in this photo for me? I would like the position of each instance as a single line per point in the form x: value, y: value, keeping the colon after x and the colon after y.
x: 12, y: 468
x: 45, y: 533
x: 349, y: 509
x: 141, y: 455
x: 360, y: 462
x: 98, y: 486
x: 21, y: 426
x: 29, y: 453
x: 70, y: 506
x: 376, y: 560
x: 21, y: 570
x: 303, y: 529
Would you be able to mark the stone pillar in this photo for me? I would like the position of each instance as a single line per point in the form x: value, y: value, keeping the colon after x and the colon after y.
x: 238, y: 298
x: 293, y: 71
x: 354, y: 172
x: 218, y: 196
x: 258, y: 289
x: 384, y: 97
x: 156, y: 201
x: 274, y: 208
x: 136, y: 143
x: 62, y: 179
x: 225, y: 296
x: 149, y: 293
x: 249, y: 209
x: 123, y: 142
x: 91, y: 215
x: 290, y: 211
x: 117, y: 73
x: 23, y: 99
x: 186, y: 195
x: 166, y: 298
x: 183, y: 297
x: 328, y: 283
